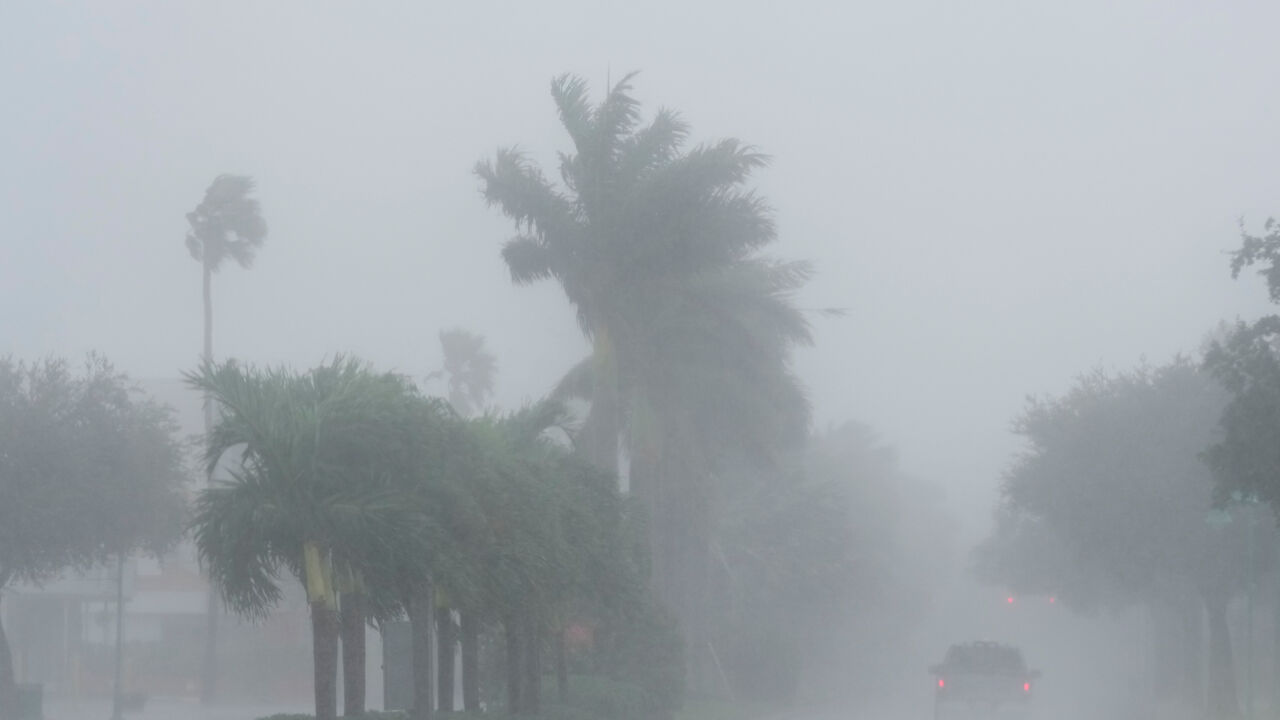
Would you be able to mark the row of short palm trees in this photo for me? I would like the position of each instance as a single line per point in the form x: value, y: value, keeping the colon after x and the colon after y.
x: 384, y: 502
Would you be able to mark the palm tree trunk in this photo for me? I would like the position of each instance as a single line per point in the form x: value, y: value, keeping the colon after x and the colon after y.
x: 209, y: 668
x: 117, y: 692
x: 420, y: 620
x: 1192, y: 656
x: 324, y: 653
x: 562, y: 668
x: 1222, y: 700
x: 531, y: 695
x: 446, y: 640
x: 598, y: 439
x: 8, y: 686
x: 353, y: 654
x: 645, y: 477
x: 470, y: 663
x: 208, y: 321
x: 514, y: 657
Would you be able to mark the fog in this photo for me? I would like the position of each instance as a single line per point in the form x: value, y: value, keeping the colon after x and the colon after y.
x: 1000, y: 196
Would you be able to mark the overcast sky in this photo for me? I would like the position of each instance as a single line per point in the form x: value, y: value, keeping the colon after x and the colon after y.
x: 1002, y: 196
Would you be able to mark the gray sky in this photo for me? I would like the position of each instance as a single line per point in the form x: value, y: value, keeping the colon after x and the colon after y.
x: 1002, y: 196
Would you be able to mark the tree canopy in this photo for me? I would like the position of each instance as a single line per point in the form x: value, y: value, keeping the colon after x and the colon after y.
x: 1247, y: 362
x: 1111, y: 503
x: 89, y: 470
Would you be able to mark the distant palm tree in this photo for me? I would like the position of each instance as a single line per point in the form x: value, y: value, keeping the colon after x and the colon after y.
x: 469, y: 370
x: 226, y: 225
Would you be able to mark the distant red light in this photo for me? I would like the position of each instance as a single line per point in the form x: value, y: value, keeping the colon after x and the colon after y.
x: 1052, y: 599
x: 1009, y: 599
x: 941, y: 683
x: 1026, y: 687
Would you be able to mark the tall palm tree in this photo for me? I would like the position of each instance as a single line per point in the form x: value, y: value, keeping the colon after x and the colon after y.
x: 657, y: 248
x: 226, y: 225
x: 310, y: 492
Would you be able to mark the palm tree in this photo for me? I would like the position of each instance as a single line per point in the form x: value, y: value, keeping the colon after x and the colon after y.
x: 525, y: 550
x: 657, y: 248
x: 310, y: 493
x: 226, y: 225
x: 468, y: 371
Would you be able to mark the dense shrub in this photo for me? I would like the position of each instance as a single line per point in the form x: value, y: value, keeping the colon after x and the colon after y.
x: 606, y: 698
x: 647, y: 650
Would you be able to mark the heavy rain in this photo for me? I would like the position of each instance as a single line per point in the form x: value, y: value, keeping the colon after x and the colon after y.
x: 639, y: 361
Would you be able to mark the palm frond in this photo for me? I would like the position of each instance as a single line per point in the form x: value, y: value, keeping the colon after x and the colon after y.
x: 242, y: 535
x: 522, y: 192
x: 578, y: 383
x: 527, y: 259
x: 572, y: 102
x: 614, y: 119
x: 227, y: 223
x: 652, y: 146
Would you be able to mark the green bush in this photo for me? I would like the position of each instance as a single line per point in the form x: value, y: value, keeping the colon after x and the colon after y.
x: 648, y: 650
x: 604, y: 697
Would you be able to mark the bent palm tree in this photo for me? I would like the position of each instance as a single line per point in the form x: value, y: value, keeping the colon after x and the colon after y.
x: 226, y: 225
x: 657, y: 248
x: 637, y: 219
x: 309, y: 494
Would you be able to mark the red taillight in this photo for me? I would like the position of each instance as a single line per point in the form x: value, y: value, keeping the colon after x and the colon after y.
x: 941, y: 683
x: 1009, y: 600
x: 1026, y: 687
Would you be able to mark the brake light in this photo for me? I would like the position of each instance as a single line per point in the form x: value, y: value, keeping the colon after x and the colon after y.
x: 941, y: 683
x: 1026, y: 687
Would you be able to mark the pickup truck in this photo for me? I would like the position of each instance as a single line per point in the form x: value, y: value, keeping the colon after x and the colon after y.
x: 982, y: 679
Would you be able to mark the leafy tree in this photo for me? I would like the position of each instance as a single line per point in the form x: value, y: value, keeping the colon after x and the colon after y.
x: 837, y: 528
x: 89, y: 471
x: 657, y: 248
x: 1247, y: 459
x: 1111, y: 504
x: 1247, y: 361
x: 226, y: 225
x: 312, y: 493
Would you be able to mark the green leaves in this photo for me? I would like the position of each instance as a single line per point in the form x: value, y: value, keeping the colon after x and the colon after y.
x: 1247, y: 458
x: 1108, y: 503
x: 1260, y: 249
x: 325, y: 457
x: 88, y: 468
